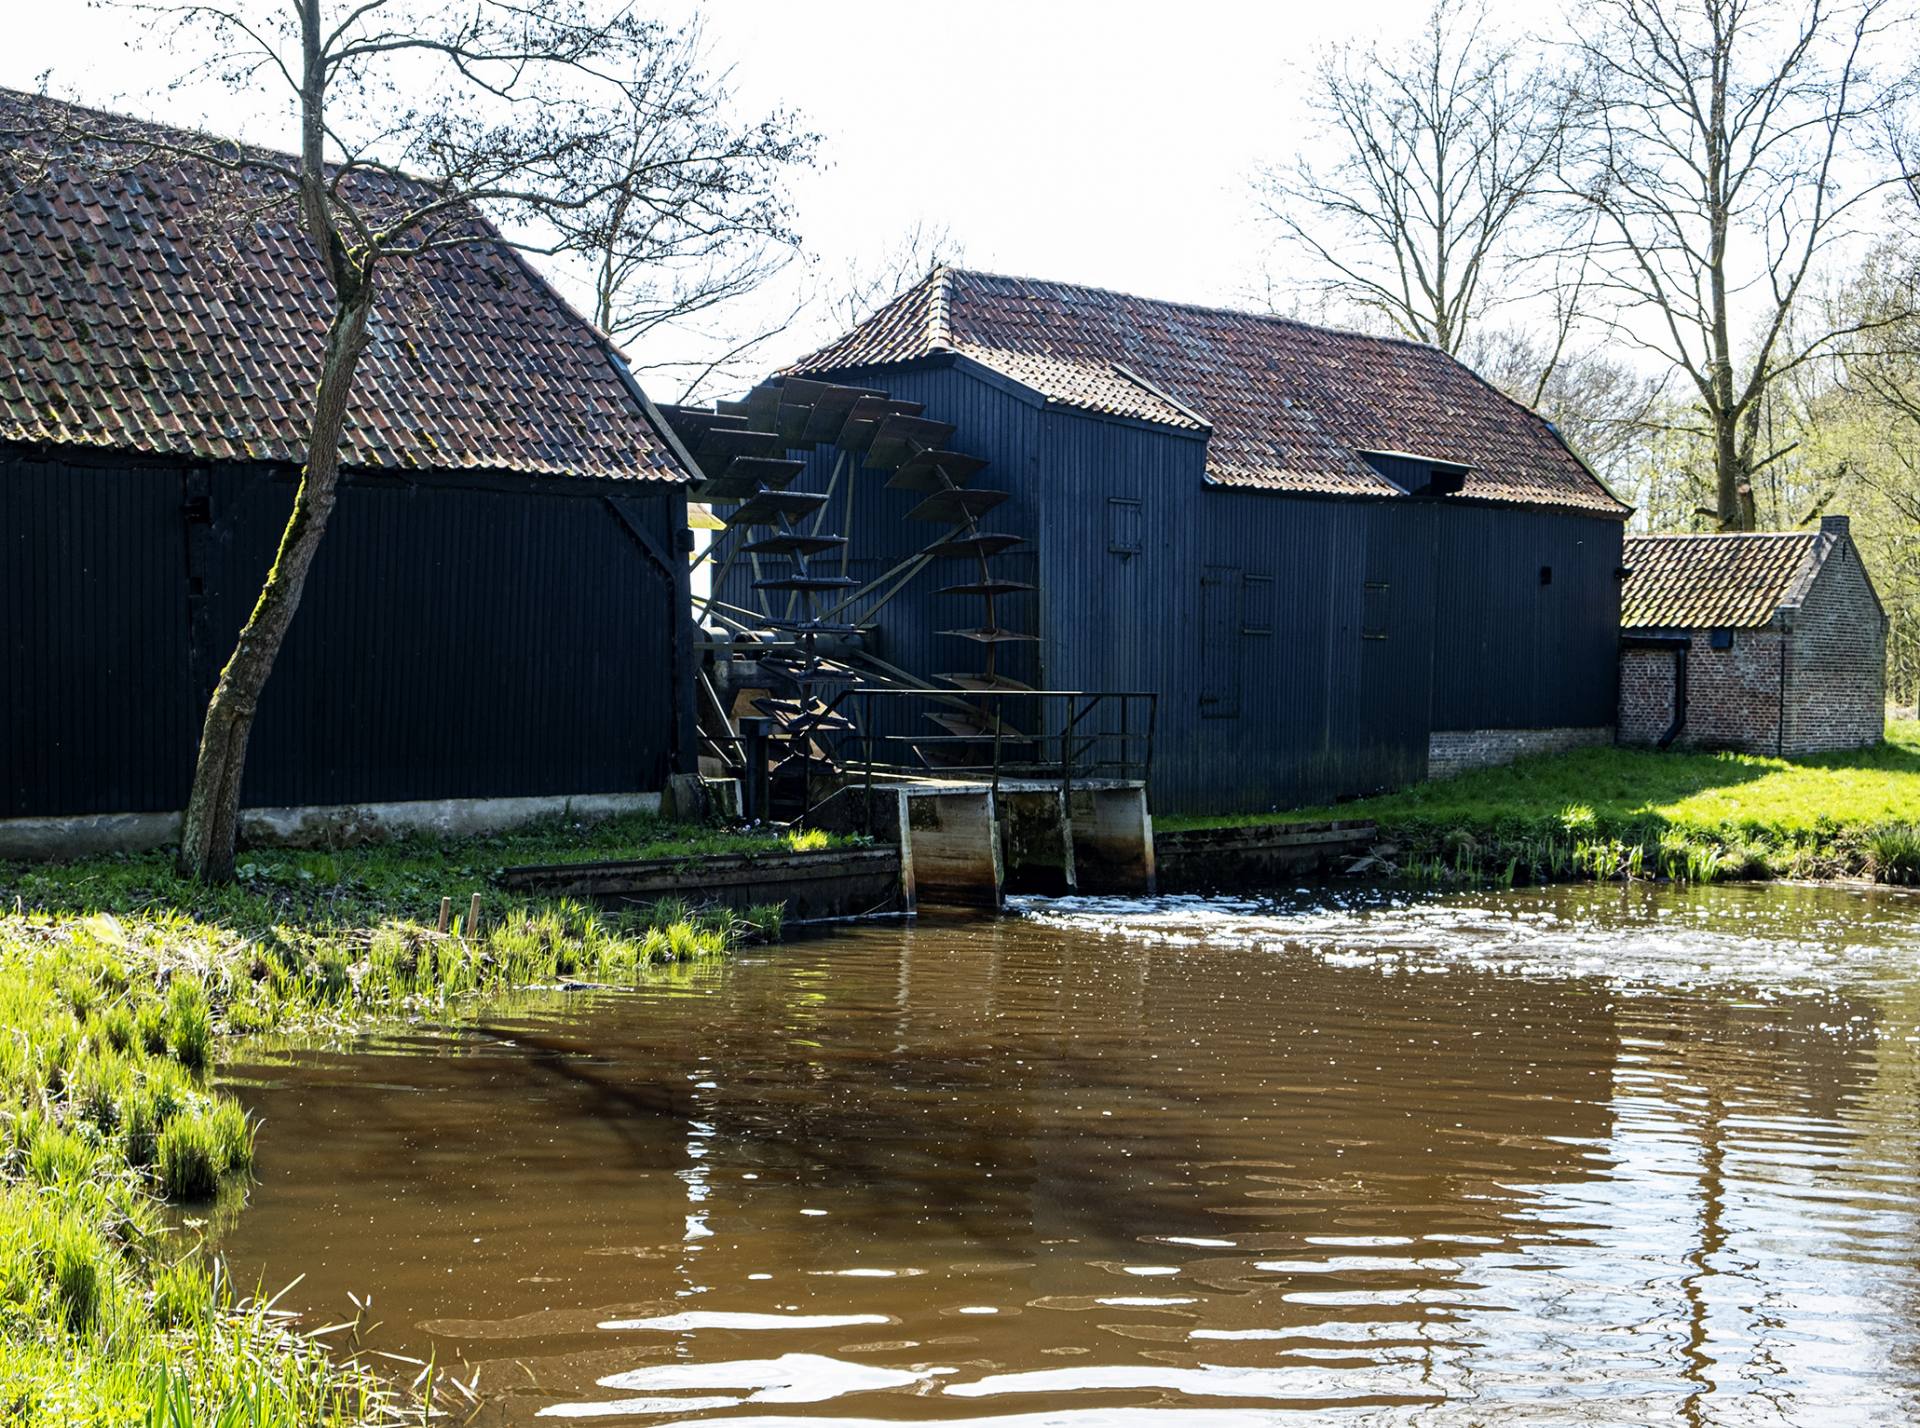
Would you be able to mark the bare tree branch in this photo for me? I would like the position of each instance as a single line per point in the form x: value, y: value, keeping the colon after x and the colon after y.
x: 1725, y: 148
x: 1442, y: 146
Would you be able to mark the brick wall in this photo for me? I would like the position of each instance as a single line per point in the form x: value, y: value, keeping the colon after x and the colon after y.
x: 1837, y: 657
x: 1646, y: 695
x: 1733, y: 696
x: 1455, y: 751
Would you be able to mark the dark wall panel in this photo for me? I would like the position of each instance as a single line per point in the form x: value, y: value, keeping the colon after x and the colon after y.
x: 1243, y: 610
x: 93, y: 619
x: 454, y: 641
x: 1513, y: 651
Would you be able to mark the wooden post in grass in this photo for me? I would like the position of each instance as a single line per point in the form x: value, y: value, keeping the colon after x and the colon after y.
x: 446, y: 912
x: 473, y: 917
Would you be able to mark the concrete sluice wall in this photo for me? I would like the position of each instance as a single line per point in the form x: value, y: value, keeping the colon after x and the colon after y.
x: 964, y: 845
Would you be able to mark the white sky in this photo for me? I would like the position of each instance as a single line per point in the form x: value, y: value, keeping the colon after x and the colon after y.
x: 1110, y: 144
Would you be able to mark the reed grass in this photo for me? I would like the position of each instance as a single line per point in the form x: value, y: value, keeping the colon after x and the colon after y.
x: 118, y: 986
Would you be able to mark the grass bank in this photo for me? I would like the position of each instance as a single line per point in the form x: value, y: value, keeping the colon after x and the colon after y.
x: 1614, y: 812
x: 118, y: 984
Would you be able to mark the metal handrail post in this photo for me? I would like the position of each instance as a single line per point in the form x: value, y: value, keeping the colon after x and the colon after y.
x: 1153, y: 719
x: 998, y: 724
x: 866, y: 739
x: 1066, y: 756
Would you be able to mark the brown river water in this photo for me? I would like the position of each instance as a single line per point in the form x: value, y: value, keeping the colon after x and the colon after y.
x: 1583, y: 1155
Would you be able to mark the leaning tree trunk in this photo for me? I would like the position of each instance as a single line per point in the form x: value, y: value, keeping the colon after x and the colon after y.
x: 213, y: 809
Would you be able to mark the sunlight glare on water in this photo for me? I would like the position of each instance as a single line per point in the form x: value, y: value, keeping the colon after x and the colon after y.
x: 1587, y: 1155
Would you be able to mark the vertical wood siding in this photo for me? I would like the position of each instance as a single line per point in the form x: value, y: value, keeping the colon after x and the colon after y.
x: 1338, y: 634
x: 93, y: 619
x: 1510, y: 651
x: 452, y: 641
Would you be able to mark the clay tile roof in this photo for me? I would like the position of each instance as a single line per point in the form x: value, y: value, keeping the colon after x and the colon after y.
x: 128, y: 321
x: 1694, y: 582
x: 1283, y: 405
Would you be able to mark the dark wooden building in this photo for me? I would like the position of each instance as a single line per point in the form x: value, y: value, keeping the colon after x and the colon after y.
x: 1343, y: 562
x: 499, y: 608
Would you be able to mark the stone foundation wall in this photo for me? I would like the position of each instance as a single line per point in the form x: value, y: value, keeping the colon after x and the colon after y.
x: 1455, y: 751
x: 346, y: 826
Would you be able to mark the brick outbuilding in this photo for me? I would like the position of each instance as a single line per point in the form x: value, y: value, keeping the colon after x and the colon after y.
x: 1771, y: 643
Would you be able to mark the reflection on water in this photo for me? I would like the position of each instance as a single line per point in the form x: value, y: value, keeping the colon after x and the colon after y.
x: 1573, y: 1156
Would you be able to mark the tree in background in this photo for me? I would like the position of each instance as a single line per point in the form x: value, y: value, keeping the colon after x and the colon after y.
x: 559, y: 121
x: 1436, y: 210
x: 701, y: 217
x: 1726, y: 150
x: 1865, y: 433
x: 1440, y: 152
x: 1605, y: 409
x: 870, y: 284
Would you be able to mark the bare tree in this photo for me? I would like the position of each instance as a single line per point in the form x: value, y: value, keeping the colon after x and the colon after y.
x: 700, y: 217
x: 1604, y: 408
x: 1725, y: 148
x: 415, y: 118
x: 870, y: 283
x: 1441, y: 148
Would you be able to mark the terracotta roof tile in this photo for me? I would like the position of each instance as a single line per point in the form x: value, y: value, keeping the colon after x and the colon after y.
x: 1695, y: 582
x: 1286, y: 404
x: 124, y: 325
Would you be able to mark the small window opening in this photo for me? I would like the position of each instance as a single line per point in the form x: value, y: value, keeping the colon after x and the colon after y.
x: 1722, y: 639
x: 1373, y: 611
x: 1256, y: 605
x: 1123, y: 526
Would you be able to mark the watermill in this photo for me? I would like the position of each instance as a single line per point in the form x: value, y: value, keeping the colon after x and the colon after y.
x: 806, y: 684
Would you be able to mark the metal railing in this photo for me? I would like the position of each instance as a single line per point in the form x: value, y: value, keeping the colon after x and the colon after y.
x: 1059, y: 736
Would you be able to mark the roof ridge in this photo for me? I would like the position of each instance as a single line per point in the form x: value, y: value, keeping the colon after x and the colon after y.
x: 1721, y: 535
x: 939, y: 307
x: 1214, y: 309
x: 161, y: 126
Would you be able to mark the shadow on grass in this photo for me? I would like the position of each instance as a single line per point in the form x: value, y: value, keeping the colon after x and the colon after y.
x: 1892, y: 756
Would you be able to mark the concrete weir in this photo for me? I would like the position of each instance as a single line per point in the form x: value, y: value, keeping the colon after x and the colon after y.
x: 939, y: 843
x: 967, y: 844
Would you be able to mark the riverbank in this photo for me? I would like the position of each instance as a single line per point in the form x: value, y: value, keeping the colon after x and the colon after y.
x: 1616, y: 812
x: 119, y: 984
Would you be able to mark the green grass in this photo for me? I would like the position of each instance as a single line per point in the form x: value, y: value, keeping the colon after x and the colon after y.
x: 119, y: 984
x: 405, y: 878
x: 1692, y: 816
